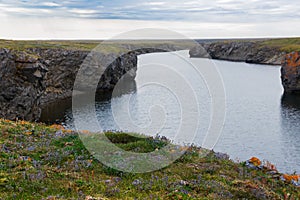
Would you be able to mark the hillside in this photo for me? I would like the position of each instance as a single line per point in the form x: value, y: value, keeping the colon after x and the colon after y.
x: 48, y: 162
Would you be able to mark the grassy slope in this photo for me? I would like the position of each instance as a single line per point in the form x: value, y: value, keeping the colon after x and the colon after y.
x: 287, y: 45
x: 284, y: 44
x: 22, y: 44
x: 85, y: 45
x: 39, y: 161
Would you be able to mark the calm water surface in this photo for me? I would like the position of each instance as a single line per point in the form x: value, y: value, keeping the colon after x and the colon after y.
x: 260, y: 121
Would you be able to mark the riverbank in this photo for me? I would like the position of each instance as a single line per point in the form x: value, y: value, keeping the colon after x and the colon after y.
x: 48, y: 162
x: 257, y: 51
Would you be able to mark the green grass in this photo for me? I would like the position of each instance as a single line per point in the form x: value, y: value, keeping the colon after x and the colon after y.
x: 284, y: 44
x: 287, y: 45
x: 109, y: 46
x: 23, y: 45
x: 39, y: 161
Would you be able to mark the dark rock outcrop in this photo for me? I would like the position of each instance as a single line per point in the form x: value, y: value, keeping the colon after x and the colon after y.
x: 21, y: 85
x: 290, y: 72
x: 249, y: 52
x: 32, y: 79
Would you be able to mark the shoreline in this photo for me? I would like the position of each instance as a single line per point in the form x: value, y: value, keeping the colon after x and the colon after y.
x: 35, y: 73
x: 239, y: 51
x: 53, y: 162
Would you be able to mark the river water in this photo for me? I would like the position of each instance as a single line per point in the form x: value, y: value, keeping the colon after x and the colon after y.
x: 260, y: 121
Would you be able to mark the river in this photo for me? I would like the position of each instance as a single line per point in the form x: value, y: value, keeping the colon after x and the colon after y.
x: 260, y: 121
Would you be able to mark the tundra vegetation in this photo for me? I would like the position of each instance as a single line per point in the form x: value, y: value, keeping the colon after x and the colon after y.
x: 48, y: 162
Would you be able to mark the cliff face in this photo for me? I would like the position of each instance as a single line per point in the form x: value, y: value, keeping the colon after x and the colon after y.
x: 249, y: 52
x: 21, y: 85
x: 32, y: 79
x: 290, y: 73
x: 63, y: 66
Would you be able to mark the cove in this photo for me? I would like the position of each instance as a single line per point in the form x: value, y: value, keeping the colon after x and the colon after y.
x: 260, y: 120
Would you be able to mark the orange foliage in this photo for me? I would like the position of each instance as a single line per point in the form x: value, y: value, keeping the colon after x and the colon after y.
x: 290, y: 178
x: 67, y: 131
x: 255, y: 161
x: 28, y: 133
x: 292, y: 61
x: 23, y: 122
x: 57, y: 126
x: 85, y: 132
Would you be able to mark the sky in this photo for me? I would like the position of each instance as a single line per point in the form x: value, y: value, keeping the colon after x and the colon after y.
x: 104, y: 19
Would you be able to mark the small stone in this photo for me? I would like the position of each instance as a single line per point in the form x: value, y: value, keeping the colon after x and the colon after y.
x: 38, y: 74
x: 182, y: 182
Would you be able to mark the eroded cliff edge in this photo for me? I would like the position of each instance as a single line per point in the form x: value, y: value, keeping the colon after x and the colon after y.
x: 239, y: 51
x: 290, y: 73
x: 32, y: 78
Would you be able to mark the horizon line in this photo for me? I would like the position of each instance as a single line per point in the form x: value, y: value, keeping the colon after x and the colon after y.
x: 165, y: 39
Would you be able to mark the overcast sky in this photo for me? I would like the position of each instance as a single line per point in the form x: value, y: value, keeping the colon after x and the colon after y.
x: 94, y: 19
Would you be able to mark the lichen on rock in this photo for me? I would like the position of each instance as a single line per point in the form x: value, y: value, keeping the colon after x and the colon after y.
x: 290, y: 72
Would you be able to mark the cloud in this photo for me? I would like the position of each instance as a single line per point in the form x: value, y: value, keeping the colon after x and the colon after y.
x: 190, y: 10
x: 51, y: 4
x: 83, y: 11
x: 157, y: 3
x: 72, y: 28
x: 230, y: 16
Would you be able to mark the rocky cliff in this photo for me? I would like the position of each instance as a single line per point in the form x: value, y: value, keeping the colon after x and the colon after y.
x: 21, y: 85
x: 290, y: 72
x: 240, y: 51
x: 31, y: 79
x: 36, y: 77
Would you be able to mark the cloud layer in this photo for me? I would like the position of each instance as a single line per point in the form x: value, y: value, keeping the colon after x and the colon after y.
x: 174, y: 10
x: 195, y: 18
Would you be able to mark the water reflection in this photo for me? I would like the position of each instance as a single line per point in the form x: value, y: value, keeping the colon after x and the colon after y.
x: 290, y: 125
x: 55, y: 112
x: 291, y: 101
x: 52, y: 113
